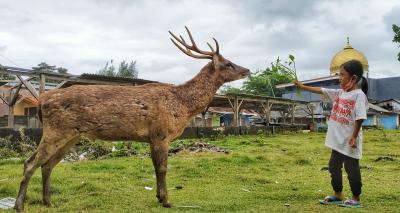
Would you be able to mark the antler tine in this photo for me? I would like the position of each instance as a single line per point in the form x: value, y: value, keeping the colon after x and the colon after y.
x: 180, y: 41
x: 187, y: 49
x: 195, y: 48
x: 212, y: 49
x: 189, y: 53
x: 217, y: 46
x: 182, y: 44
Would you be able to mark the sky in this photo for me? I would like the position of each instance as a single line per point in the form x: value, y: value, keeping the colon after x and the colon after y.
x: 83, y: 35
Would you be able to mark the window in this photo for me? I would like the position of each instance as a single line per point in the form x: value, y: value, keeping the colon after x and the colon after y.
x: 30, y: 111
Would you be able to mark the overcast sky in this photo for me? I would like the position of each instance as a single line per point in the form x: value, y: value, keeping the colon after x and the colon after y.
x: 82, y: 35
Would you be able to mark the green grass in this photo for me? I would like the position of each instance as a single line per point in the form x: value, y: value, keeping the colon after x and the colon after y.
x: 261, y: 174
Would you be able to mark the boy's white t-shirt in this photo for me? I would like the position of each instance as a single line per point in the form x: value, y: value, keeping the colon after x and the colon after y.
x: 347, y: 107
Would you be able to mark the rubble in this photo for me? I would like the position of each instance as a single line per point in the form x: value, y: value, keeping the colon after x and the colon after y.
x: 199, y: 147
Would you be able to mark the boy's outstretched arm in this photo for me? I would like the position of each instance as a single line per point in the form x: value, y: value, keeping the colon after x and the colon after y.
x: 300, y: 85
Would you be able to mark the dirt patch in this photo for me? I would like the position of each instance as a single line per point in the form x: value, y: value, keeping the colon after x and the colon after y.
x: 198, y: 147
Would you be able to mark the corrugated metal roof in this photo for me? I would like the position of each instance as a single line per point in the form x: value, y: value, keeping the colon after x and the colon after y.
x: 114, y: 78
x: 377, y: 108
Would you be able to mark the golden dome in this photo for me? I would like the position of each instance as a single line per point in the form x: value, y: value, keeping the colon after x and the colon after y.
x: 348, y: 53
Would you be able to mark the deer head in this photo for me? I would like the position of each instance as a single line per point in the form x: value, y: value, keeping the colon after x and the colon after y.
x: 224, y: 68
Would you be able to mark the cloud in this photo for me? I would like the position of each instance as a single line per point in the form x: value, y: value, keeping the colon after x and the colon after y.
x: 83, y: 35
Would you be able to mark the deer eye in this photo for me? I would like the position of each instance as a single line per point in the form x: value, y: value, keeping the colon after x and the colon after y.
x: 230, y: 65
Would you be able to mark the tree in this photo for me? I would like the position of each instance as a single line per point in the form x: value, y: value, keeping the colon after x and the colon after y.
x: 108, y: 70
x: 225, y: 89
x: 126, y: 70
x: 4, y: 76
x: 43, y: 66
x: 396, y: 38
x: 62, y: 70
x: 263, y: 82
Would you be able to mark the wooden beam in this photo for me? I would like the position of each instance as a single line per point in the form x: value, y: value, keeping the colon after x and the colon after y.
x: 4, y: 100
x: 230, y: 102
x: 60, y: 85
x: 14, y: 96
x: 29, y: 86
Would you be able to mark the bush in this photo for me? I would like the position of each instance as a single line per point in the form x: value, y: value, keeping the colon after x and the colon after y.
x: 7, y: 153
x: 21, y: 148
x: 93, y: 149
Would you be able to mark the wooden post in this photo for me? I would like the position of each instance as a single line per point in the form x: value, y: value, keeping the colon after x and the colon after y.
x: 235, y: 112
x: 42, y: 86
x: 312, y: 114
x: 269, y: 113
x: 283, y: 116
x: 12, y: 100
x: 203, y: 118
x: 293, y: 109
x: 10, y: 116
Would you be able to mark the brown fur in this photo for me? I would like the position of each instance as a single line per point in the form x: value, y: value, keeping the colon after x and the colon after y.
x: 155, y: 113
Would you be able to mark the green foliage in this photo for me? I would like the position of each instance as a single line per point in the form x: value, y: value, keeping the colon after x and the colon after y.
x: 50, y: 68
x: 20, y: 148
x: 7, y: 153
x: 263, y: 82
x: 396, y: 38
x: 226, y: 89
x: 125, y: 69
x: 4, y: 76
x: 62, y: 70
x: 94, y: 149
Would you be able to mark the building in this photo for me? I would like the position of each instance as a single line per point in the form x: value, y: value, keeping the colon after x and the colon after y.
x: 24, y: 109
x: 383, y: 93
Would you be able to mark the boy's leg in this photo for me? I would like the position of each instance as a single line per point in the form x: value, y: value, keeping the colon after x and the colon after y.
x: 335, y: 168
x: 352, y: 168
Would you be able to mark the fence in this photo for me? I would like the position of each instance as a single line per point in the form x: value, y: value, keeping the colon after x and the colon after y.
x: 21, y: 121
x: 189, y: 132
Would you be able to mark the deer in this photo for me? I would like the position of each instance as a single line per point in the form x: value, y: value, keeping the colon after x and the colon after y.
x: 153, y: 113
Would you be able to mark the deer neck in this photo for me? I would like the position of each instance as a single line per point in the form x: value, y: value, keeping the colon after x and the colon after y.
x: 198, y: 92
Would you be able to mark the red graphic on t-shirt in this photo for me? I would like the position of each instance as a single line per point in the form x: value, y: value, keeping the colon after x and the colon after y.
x: 341, y: 110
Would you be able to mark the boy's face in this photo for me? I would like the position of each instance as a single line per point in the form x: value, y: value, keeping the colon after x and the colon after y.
x: 347, y: 82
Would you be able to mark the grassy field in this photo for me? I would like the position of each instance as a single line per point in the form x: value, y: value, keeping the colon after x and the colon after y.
x: 280, y: 173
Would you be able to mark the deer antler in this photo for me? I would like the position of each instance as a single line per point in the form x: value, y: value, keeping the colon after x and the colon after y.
x: 193, y: 47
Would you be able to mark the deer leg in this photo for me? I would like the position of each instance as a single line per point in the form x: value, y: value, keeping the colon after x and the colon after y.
x: 47, y: 168
x: 29, y: 160
x: 44, y: 151
x: 30, y: 166
x: 159, y: 156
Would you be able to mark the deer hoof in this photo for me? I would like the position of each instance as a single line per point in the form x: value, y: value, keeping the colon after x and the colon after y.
x: 47, y: 203
x: 18, y: 208
x: 167, y: 205
x: 159, y: 199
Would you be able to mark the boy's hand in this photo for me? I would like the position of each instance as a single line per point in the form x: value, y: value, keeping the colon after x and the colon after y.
x: 298, y: 84
x: 353, y: 142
